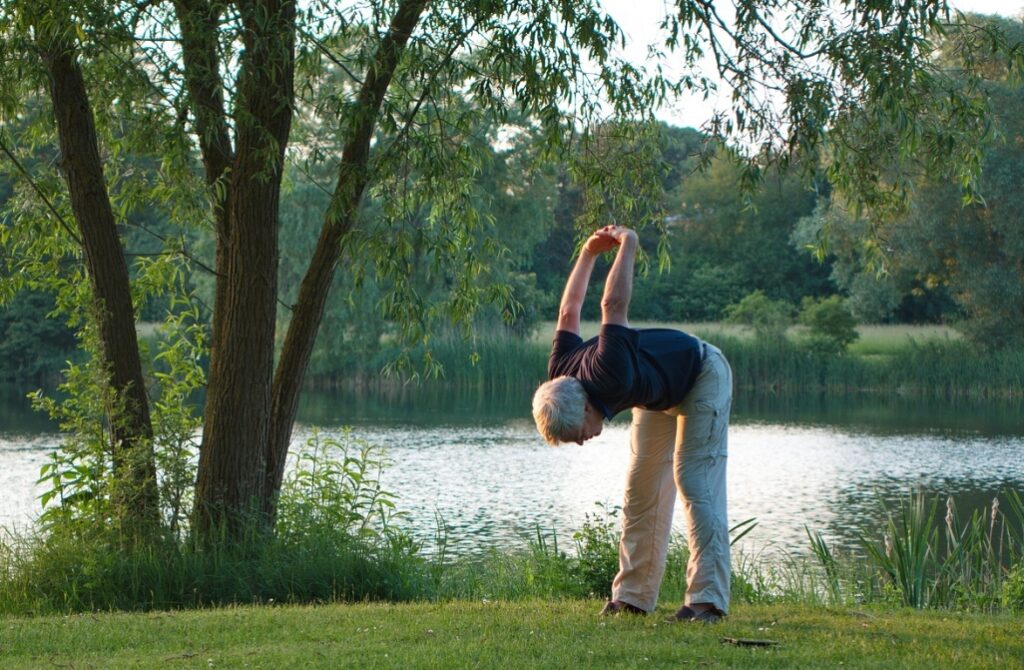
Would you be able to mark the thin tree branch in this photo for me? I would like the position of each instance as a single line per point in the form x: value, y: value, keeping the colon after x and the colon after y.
x: 322, y: 48
x: 39, y: 191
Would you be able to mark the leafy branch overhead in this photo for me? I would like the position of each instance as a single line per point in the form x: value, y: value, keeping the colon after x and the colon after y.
x: 390, y: 114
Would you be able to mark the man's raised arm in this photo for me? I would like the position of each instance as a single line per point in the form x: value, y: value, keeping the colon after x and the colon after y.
x: 618, y: 287
x: 576, y: 286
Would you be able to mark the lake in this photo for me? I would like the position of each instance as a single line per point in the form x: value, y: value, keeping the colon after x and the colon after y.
x: 476, y: 461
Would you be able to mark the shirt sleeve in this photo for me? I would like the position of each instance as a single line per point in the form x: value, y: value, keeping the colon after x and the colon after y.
x: 564, y: 344
x: 616, y: 362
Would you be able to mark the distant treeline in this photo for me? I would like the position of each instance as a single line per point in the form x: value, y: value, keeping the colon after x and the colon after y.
x: 717, y: 244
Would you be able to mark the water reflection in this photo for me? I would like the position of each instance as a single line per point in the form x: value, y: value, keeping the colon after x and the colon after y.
x: 877, y: 413
x: 494, y: 484
x: 884, y: 413
x: 475, y: 461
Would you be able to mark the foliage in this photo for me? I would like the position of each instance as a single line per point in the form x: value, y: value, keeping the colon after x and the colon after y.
x: 339, y: 537
x: 916, y: 361
x: 768, y: 318
x: 76, y: 568
x: 335, y: 487
x: 33, y: 345
x: 718, y: 242
x: 964, y: 567
x: 81, y: 481
x: 941, y: 257
x: 597, y: 550
x: 1013, y: 589
x: 198, y: 108
x: 907, y: 552
x: 830, y: 325
x: 825, y: 557
x: 179, y: 374
x: 744, y: 237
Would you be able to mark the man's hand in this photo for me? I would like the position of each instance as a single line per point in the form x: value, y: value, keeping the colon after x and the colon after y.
x: 607, y: 238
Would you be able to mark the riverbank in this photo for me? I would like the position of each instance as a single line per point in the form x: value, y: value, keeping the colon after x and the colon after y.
x: 918, y: 361
x: 499, y: 634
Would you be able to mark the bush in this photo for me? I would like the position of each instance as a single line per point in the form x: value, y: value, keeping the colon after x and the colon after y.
x: 769, y: 318
x: 1013, y: 589
x: 597, y: 551
x: 336, y: 539
x: 830, y: 325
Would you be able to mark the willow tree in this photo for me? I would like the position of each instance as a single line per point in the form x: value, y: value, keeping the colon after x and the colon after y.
x: 944, y: 258
x: 395, y: 90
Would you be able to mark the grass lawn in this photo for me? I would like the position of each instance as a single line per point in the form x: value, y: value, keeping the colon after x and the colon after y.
x: 521, y: 635
x: 878, y: 340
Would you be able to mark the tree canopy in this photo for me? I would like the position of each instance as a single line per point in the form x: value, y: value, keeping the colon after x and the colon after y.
x: 382, y: 106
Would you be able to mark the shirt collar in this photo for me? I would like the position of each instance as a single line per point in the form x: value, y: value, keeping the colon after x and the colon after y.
x: 600, y: 406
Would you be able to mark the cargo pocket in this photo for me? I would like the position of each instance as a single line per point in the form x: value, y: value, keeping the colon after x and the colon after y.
x: 716, y: 424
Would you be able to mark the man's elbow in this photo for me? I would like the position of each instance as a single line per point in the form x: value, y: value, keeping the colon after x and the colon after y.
x: 613, y: 304
x: 614, y: 310
x: 569, y: 312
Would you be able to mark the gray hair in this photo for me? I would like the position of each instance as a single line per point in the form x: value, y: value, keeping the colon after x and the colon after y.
x: 558, y: 408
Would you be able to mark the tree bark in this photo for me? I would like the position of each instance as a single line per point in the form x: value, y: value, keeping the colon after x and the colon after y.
x: 135, y: 496
x: 250, y: 409
x: 200, y: 54
x: 309, y: 307
x: 230, y: 486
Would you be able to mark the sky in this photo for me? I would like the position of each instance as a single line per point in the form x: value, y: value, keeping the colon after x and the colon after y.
x: 639, y: 20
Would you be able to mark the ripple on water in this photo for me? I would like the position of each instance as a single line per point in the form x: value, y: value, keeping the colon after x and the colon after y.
x: 494, y: 485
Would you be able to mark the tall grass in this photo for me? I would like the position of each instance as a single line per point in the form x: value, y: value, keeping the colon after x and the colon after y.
x: 941, y: 368
x: 63, y: 575
x: 492, y: 360
x: 918, y: 562
x: 936, y: 368
x: 337, y: 538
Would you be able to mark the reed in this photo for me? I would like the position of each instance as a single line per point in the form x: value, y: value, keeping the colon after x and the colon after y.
x: 916, y: 562
x: 940, y: 367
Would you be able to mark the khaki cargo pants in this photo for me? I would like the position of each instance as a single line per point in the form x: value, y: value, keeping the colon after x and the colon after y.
x: 683, y: 448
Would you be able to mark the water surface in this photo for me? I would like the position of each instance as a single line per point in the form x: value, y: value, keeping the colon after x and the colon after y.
x: 475, y: 461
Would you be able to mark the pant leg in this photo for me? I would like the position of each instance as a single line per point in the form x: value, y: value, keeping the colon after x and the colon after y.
x: 647, y: 510
x: 700, y: 469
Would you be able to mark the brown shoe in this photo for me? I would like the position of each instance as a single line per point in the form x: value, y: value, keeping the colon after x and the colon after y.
x: 618, y: 607
x: 686, y: 614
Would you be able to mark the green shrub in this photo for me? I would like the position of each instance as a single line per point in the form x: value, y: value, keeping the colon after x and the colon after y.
x: 337, y: 538
x: 769, y: 318
x: 831, y: 327
x: 597, y: 551
x: 1013, y: 589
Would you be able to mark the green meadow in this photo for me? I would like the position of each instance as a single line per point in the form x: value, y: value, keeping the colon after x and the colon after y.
x: 530, y: 634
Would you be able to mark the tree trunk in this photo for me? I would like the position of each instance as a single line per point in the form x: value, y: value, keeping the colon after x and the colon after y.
x: 309, y: 307
x: 135, y: 496
x: 199, y: 49
x: 230, y: 486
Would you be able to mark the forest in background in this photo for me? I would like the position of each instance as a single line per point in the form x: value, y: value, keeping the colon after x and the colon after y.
x: 720, y: 236
x: 944, y: 261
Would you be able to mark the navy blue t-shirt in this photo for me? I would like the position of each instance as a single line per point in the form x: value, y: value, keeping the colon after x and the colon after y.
x: 653, y: 368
